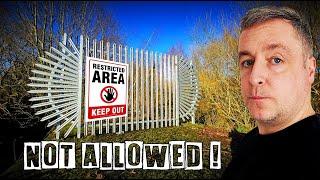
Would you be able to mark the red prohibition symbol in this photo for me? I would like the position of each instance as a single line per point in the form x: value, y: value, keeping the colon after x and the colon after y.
x: 108, y: 94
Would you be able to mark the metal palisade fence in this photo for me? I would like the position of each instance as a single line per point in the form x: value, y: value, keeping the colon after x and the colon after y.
x: 162, y: 90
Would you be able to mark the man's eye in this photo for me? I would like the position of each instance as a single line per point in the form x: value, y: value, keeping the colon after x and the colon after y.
x: 276, y: 60
x: 247, y: 63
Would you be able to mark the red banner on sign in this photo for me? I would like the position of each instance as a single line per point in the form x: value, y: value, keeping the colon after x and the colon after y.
x: 106, y: 111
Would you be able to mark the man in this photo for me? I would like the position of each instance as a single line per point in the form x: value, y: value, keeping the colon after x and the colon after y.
x: 277, y: 69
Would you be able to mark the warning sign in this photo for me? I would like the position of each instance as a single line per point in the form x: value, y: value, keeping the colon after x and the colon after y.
x: 106, y: 89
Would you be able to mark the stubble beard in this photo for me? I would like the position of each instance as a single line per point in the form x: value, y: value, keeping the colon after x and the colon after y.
x: 272, y: 118
x: 279, y: 113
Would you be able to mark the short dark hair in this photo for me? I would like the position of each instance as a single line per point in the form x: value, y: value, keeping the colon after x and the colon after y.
x: 263, y: 14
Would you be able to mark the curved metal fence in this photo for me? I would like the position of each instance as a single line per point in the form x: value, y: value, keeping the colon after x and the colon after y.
x: 162, y: 91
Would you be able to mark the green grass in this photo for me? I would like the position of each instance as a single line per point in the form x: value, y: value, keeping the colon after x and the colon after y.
x: 186, y: 132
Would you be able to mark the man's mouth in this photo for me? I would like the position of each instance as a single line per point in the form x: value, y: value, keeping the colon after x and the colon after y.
x: 257, y: 97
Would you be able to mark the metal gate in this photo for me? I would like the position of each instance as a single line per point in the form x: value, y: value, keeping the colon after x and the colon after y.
x: 163, y: 89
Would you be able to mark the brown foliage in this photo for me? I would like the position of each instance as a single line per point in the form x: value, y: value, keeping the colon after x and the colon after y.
x: 221, y: 103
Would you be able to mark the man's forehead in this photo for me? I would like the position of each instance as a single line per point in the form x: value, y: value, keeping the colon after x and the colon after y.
x: 268, y: 29
x: 270, y: 35
x: 277, y: 22
x: 275, y: 45
x: 268, y: 46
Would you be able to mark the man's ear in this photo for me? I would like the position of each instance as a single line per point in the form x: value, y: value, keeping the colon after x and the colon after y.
x: 311, y: 67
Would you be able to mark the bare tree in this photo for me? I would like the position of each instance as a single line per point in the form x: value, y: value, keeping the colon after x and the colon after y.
x: 30, y: 28
x: 178, y: 50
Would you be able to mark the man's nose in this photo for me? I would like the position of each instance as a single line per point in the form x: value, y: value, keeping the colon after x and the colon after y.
x: 258, y: 73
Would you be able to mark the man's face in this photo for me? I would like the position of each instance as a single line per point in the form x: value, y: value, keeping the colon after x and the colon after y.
x: 275, y: 81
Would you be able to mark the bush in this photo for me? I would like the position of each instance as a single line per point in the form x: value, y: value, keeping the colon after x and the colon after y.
x: 221, y: 104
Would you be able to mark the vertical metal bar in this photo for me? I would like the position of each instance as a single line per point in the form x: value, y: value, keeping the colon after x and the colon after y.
x: 151, y: 97
x: 108, y: 59
x: 161, y: 90
x: 80, y: 88
x: 108, y: 51
x: 131, y: 87
x: 142, y: 88
x: 93, y: 125
x: 101, y: 49
x: 137, y: 89
x: 120, y: 60
x: 177, y: 90
x: 126, y: 117
x: 165, y: 79
x: 169, y: 91
x: 114, y: 56
x: 87, y: 54
x: 173, y: 74
x: 157, y: 88
x: 108, y: 126
x: 87, y: 47
x: 147, y: 89
x: 193, y: 119
x: 100, y: 55
x: 95, y: 48
x: 103, y: 57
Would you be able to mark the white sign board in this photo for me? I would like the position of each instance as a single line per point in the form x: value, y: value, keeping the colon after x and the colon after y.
x: 106, y: 89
